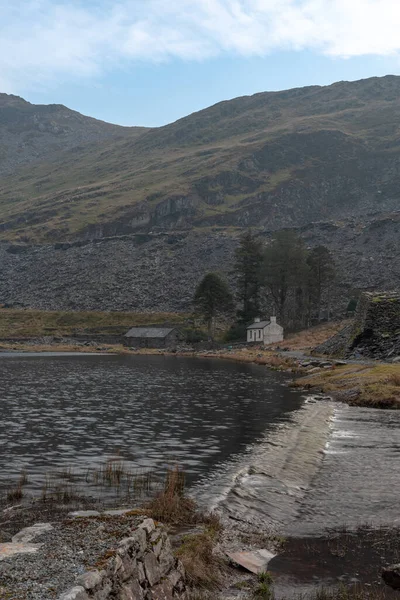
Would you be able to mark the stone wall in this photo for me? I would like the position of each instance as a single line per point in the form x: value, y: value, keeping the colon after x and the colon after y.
x: 375, y: 331
x: 142, y: 568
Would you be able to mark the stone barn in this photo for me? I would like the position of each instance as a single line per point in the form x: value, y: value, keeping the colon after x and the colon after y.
x: 152, y: 337
x: 265, y: 332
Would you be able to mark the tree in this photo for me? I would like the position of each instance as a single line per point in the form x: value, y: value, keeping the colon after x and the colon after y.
x: 212, y: 298
x: 284, y: 273
x: 247, y: 268
x: 322, y: 273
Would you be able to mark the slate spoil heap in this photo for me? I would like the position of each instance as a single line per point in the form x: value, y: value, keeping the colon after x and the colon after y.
x: 375, y: 332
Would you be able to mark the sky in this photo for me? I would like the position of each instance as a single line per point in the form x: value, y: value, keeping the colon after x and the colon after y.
x: 150, y: 62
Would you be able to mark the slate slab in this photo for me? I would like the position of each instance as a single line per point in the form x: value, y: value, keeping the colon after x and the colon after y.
x: 255, y: 561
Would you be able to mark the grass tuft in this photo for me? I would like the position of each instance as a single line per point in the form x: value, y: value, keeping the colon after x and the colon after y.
x: 171, y: 505
x: 203, y: 568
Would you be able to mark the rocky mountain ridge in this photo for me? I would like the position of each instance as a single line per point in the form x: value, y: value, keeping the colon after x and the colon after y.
x: 31, y: 133
x: 269, y: 160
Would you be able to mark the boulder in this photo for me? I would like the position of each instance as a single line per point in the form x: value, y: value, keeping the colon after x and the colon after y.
x: 391, y: 576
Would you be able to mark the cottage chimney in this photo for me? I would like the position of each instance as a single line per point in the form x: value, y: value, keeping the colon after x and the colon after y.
x: 257, y: 320
x: 273, y: 319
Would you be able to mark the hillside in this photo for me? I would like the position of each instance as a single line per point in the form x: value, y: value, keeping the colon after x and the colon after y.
x: 132, y: 221
x: 271, y: 160
x: 31, y: 133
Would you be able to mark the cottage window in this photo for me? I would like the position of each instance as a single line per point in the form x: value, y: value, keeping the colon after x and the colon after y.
x: 259, y: 333
x: 251, y: 334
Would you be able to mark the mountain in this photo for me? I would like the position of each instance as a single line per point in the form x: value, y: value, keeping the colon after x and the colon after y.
x: 32, y: 133
x: 270, y: 160
x: 134, y: 218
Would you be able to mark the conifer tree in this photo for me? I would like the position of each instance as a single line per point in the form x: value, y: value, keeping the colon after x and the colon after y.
x: 322, y: 274
x: 247, y: 268
x: 285, y: 272
x: 212, y: 298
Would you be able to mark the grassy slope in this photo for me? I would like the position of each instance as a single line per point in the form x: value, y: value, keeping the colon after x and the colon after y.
x: 362, y: 385
x: 103, y: 182
x: 36, y: 323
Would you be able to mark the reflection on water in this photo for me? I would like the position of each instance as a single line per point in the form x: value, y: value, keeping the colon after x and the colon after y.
x: 80, y: 410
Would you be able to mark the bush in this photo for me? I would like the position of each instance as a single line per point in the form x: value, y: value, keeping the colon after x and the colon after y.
x: 236, y: 333
x: 194, y: 336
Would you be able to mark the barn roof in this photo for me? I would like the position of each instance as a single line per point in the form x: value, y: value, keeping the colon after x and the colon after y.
x: 149, y: 332
x: 259, y: 325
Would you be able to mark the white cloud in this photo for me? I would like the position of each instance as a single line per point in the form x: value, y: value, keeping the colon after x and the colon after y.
x: 46, y: 40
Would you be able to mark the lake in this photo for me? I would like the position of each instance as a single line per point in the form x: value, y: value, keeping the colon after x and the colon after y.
x: 75, y: 412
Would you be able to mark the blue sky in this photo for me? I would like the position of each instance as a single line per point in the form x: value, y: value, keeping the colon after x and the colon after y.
x: 149, y: 62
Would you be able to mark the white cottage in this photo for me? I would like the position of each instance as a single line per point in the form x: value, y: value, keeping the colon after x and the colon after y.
x: 265, y: 332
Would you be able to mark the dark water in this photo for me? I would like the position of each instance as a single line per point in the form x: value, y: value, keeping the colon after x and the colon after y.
x: 78, y: 411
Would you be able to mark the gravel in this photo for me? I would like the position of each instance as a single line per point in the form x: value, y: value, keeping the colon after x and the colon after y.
x: 74, y: 546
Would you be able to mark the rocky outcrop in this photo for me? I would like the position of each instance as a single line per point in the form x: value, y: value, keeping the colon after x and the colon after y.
x: 391, y: 576
x: 375, y: 332
x: 143, y: 568
x: 30, y: 133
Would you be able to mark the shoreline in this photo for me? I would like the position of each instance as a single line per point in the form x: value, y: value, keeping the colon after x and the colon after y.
x: 363, y: 383
x: 284, y: 491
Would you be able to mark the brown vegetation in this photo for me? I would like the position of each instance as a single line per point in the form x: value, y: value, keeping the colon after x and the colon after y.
x: 171, y: 505
x: 258, y: 355
x: 314, y: 336
x: 15, y: 323
x: 358, y: 384
x: 203, y: 568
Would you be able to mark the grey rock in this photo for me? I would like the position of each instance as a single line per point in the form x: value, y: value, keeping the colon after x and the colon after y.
x: 140, y: 537
x: 174, y: 578
x: 84, y: 513
x: 163, y: 591
x: 28, y: 534
x: 391, y: 576
x: 8, y: 549
x: 75, y: 593
x: 91, y: 579
x: 148, y: 525
x: 116, y: 512
x: 141, y: 573
x: 166, y: 561
x: 152, y: 568
x: 105, y: 591
x: 132, y: 591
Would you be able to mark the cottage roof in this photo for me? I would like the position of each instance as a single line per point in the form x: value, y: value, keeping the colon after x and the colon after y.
x: 259, y: 325
x: 149, y: 332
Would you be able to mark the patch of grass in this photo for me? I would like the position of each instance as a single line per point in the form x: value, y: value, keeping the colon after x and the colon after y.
x: 171, y: 505
x: 202, y: 567
x: 371, y: 385
x: 15, y: 494
x: 242, y: 585
x: 16, y: 323
x: 394, y: 379
x: 258, y: 355
x: 271, y: 541
x: 263, y: 589
x: 314, y: 336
